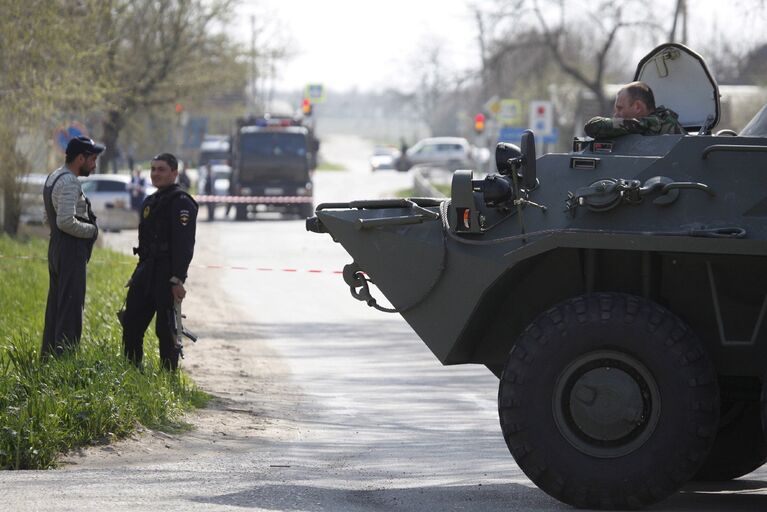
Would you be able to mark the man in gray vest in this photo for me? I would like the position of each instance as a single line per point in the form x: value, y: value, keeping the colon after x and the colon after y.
x: 73, y: 233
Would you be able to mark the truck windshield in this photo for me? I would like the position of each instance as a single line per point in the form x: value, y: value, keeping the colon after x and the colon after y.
x: 214, y: 157
x: 273, y: 144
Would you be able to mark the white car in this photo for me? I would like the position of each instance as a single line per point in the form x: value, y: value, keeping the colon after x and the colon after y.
x: 31, y: 199
x: 384, y: 157
x: 222, y: 173
x: 110, y: 200
x: 449, y: 152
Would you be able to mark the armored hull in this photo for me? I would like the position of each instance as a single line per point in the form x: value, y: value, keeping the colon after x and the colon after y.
x: 618, y: 291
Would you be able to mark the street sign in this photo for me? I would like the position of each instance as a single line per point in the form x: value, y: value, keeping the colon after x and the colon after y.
x: 511, y: 134
x: 492, y: 106
x: 510, y: 112
x: 541, y: 117
x: 65, y: 133
x: 315, y: 92
x: 514, y: 135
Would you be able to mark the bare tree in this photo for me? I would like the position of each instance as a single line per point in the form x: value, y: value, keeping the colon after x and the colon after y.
x: 160, y: 52
x: 608, y: 19
x: 46, y: 69
x: 432, y: 82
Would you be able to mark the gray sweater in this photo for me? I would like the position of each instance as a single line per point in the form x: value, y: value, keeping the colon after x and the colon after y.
x: 69, y: 201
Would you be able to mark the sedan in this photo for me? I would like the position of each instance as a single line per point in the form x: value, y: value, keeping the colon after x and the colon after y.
x: 110, y: 199
x: 384, y: 157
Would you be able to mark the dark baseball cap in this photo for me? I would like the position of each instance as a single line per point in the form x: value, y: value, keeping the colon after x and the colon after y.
x: 80, y: 145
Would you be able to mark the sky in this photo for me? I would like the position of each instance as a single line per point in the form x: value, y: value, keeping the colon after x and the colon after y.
x: 364, y: 44
x: 372, y: 44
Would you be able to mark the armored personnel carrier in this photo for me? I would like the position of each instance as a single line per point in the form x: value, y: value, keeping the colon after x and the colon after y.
x: 618, y: 292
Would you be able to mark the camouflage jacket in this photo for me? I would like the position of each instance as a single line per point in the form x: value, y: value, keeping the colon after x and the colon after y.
x: 660, y: 122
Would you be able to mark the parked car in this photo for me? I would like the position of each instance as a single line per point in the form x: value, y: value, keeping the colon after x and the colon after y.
x: 384, y: 157
x: 449, y: 152
x: 31, y: 199
x: 221, y: 175
x: 110, y: 200
x: 214, y: 149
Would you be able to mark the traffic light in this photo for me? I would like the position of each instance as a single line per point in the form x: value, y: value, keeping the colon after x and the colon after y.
x: 306, y: 107
x: 479, y: 123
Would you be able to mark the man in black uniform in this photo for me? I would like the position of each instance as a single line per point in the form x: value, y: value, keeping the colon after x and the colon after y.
x: 166, y: 245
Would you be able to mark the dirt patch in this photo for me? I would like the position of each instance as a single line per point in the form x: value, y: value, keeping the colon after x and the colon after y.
x: 254, y: 398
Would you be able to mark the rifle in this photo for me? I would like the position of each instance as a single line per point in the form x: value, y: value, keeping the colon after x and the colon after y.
x: 177, y: 326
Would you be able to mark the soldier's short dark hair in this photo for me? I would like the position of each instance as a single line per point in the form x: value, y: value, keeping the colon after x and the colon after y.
x: 169, y: 159
x: 642, y: 92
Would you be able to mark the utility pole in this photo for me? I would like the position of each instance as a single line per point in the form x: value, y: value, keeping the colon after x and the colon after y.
x: 679, y: 12
x: 253, y: 65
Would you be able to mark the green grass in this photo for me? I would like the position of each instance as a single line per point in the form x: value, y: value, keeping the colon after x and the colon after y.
x: 90, y: 396
x: 330, y: 166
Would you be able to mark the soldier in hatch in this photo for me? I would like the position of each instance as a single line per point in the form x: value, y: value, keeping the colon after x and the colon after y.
x: 634, y: 112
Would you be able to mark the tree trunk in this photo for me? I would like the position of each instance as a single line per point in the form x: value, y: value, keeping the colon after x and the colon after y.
x: 11, y: 168
x: 11, y: 211
x: 110, y: 133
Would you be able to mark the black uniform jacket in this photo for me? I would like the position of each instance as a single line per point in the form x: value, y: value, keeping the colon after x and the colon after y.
x: 166, y: 232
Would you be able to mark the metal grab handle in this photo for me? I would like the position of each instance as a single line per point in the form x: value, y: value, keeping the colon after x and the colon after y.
x: 735, y: 148
x: 391, y: 221
x: 384, y: 203
x: 687, y: 184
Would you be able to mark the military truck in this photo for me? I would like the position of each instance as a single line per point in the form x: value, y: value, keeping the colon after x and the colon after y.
x: 618, y: 292
x: 273, y: 160
x: 214, y: 149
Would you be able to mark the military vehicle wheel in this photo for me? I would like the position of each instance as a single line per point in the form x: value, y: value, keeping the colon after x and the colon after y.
x: 241, y: 212
x: 740, y: 446
x: 608, y: 401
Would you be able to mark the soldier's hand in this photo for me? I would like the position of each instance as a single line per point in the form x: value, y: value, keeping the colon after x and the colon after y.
x: 632, y: 125
x: 178, y: 291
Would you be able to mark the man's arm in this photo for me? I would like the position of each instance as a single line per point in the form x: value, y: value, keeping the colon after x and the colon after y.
x: 183, y: 227
x: 65, y: 195
x: 606, y: 127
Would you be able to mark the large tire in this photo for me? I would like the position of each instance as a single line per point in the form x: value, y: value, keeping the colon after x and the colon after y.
x: 740, y: 447
x: 608, y: 401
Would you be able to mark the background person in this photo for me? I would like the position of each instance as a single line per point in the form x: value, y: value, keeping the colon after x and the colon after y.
x: 166, y: 237
x: 73, y: 233
x: 137, y: 188
x: 634, y: 112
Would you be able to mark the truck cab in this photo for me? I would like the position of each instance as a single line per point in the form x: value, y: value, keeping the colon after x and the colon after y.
x: 272, y: 166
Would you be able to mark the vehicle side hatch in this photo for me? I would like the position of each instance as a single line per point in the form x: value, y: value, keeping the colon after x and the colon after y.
x: 682, y: 82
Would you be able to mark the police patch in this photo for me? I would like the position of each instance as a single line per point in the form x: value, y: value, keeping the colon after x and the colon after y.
x: 146, y: 212
x: 183, y: 217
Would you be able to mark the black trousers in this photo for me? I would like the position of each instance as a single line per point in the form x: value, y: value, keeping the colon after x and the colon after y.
x: 67, y: 257
x: 149, y: 296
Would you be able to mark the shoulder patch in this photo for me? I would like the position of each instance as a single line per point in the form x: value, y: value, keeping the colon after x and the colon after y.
x: 183, y: 217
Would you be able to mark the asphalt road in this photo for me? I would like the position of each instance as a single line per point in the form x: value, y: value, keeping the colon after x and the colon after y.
x: 351, y: 412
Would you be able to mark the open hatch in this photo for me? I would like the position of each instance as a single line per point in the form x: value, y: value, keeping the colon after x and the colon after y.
x: 681, y: 81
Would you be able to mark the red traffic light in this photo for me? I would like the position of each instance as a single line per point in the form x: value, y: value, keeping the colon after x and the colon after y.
x: 306, y: 107
x: 479, y: 123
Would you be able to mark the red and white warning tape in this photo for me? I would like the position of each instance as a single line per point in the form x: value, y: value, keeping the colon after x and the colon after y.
x: 214, y: 267
x: 254, y: 199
